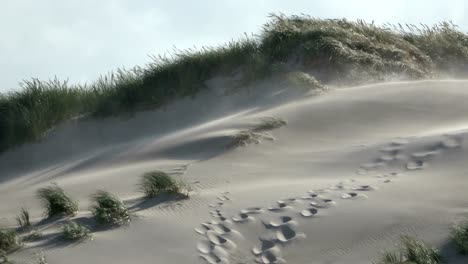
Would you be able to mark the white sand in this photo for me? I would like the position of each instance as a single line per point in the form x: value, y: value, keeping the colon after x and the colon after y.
x: 391, y: 159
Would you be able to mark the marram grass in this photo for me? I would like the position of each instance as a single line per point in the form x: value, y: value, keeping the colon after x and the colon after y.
x: 329, y: 51
x: 108, y: 209
x: 74, y: 231
x: 412, y: 251
x: 460, y: 237
x: 155, y: 183
x: 56, y: 201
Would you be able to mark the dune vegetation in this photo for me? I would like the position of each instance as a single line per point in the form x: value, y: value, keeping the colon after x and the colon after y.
x: 155, y: 183
x: 412, y: 251
x: 331, y: 51
x: 74, y: 231
x: 109, y: 209
x: 56, y: 201
x: 460, y: 237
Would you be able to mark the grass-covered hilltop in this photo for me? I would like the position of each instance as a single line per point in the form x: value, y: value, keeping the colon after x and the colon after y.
x: 331, y: 51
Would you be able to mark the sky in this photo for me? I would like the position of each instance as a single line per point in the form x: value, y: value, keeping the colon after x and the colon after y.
x: 80, y: 40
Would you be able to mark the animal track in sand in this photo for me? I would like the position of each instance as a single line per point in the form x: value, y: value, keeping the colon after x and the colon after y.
x: 353, y: 195
x: 282, y: 230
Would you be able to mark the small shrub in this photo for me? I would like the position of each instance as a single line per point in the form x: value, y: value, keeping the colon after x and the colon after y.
x: 56, y: 201
x: 23, y: 219
x: 412, y: 251
x: 460, y: 237
x: 8, y: 240
x: 75, y: 231
x: 109, y: 209
x: 158, y: 182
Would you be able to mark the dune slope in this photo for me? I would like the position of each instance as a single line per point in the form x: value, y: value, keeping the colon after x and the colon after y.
x: 351, y: 171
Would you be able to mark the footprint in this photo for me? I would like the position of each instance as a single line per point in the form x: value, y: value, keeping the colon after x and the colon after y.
x: 365, y: 188
x: 323, y: 203
x: 213, y: 259
x: 218, y: 204
x: 252, y: 210
x: 217, y: 239
x: 223, y: 198
x: 242, y: 217
x: 275, y: 224
x: 309, y: 212
x: 286, y: 233
x: 265, y: 244
x: 282, y: 205
x: 272, y: 255
x: 353, y: 195
x: 452, y: 142
x: 425, y: 154
x: 415, y: 165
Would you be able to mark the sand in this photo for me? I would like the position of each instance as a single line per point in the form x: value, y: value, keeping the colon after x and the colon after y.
x: 353, y: 170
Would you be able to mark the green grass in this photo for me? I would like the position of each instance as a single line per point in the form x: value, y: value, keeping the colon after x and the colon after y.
x: 8, y: 240
x: 74, y: 231
x: 322, y: 51
x: 23, y: 219
x: 109, y: 210
x: 56, y: 201
x: 412, y: 251
x: 460, y: 237
x: 155, y: 183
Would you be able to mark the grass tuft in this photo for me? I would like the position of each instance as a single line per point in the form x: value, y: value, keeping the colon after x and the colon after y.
x: 56, y: 201
x: 155, y: 183
x: 109, y: 210
x: 8, y: 240
x: 412, y: 251
x: 74, y: 231
x: 460, y: 237
x: 23, y: 219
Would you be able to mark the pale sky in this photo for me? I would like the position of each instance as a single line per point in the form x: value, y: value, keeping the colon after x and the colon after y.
x: 82, y: 39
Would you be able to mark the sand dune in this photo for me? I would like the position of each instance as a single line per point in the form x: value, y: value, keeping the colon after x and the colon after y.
x: 351, y: 171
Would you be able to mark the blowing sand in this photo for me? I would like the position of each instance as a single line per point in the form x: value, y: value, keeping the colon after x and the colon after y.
x: 351, y: 171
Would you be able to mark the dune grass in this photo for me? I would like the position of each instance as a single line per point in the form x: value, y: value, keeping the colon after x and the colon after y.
x: 23, y: 219
x: 155, y: 183
x: 109, y: 210
x: 8, y: 240
x: 460, y: 237
x: 412, y: 251
x: 56, y: 201
x: 325, y: 51
x: 74, y: 231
